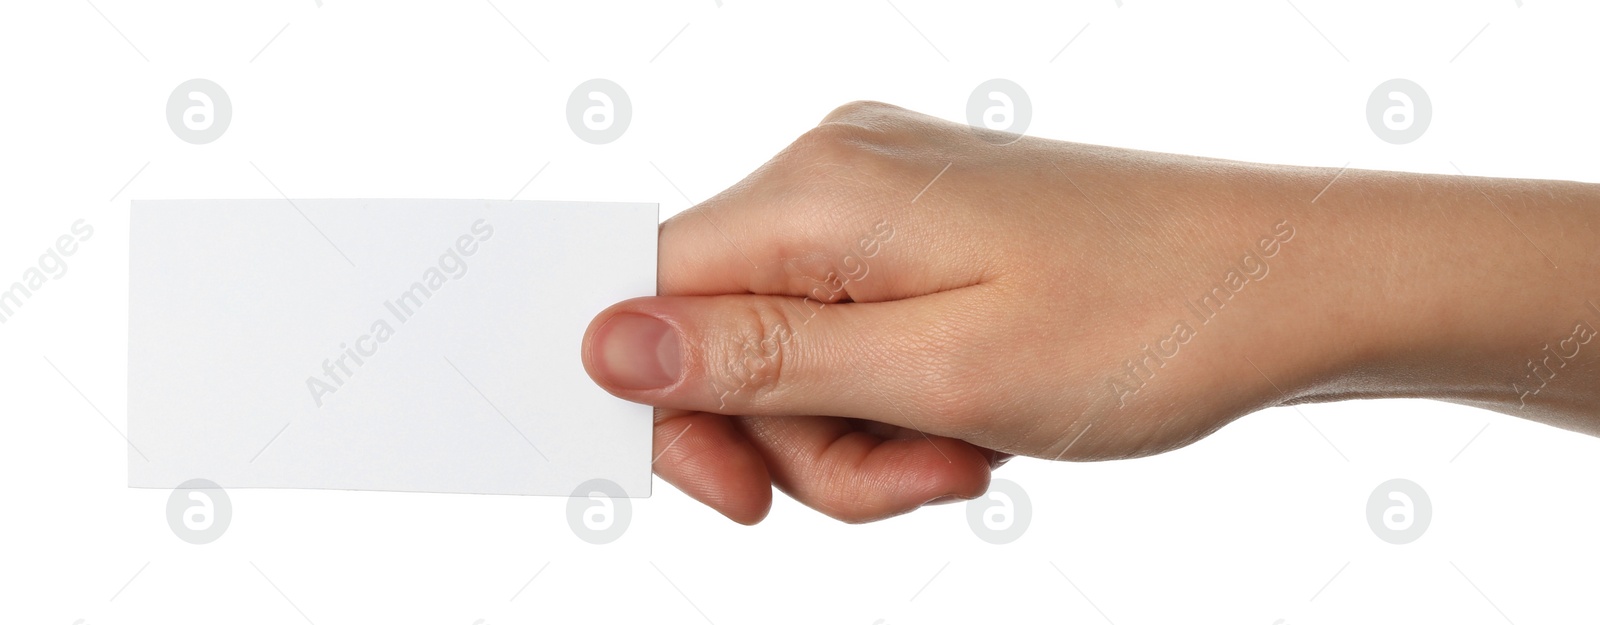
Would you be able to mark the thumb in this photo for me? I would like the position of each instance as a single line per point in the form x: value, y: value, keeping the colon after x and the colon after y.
x: 773, y: 355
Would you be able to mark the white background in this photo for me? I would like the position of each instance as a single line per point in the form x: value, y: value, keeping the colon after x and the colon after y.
x: 1263, y: 522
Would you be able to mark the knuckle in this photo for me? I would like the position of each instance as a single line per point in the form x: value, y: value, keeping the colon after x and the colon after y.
x: 830, y: 170
x: 753, y: 348
x: 844, y: 499
x: 858, y: 110
x: 853, y: 516
x: 833, y: 144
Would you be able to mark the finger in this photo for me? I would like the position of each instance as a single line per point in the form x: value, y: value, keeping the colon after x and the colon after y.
x: 708, y: 458
x: 857, y: 476
x: 895, y: 432
x: 830, y: 210
x: 894, y: 362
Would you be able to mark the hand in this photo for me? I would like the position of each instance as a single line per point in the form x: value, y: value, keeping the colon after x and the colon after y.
x: 894, y: 305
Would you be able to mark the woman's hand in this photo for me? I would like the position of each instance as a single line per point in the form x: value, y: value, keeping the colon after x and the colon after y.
x: 895, y: 304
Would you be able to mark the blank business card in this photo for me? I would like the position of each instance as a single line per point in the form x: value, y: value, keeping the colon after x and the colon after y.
x: 396, y: 345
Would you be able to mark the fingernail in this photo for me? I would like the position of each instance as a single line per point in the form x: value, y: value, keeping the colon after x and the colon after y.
x: 943, y: 500
x: 638, y: 352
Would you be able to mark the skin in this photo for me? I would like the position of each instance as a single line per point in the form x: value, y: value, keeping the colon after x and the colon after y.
x: 894, y: 305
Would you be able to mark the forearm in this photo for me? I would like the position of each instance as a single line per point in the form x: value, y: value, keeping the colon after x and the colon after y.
x: 1478, y: 291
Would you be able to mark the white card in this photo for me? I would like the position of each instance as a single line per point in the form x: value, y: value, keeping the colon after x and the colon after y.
x: 398, y: 345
